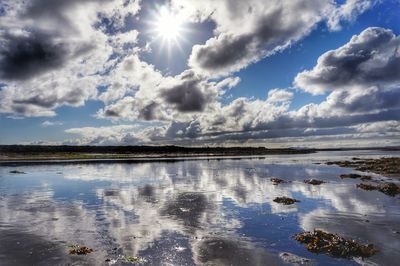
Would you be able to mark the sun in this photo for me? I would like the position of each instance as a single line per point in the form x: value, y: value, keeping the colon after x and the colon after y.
x: 168, y: 26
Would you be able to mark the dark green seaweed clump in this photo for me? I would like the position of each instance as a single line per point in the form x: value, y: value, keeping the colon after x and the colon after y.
x: 334, y: 245
x: 285, y: 200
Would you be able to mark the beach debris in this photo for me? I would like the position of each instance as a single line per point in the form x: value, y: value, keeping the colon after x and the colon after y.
x: 111, y: 261
x: 294, y: 259
x: 356, y: 176
x: 334, y: 245
x: 314, y: 182
x: 285, y: 200
x: 390, y: 189
x: 277, y: 181
x: 136, y: 260
x: 79, y: 250
x: 17, y: 172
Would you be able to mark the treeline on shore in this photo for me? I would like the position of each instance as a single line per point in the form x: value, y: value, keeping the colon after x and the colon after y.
x: 37, y: 149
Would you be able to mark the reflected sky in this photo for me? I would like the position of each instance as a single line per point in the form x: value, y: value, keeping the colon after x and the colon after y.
x: 216, y: 212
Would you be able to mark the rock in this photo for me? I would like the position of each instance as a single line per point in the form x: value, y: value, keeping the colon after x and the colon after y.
x: 352, y: 176
x: 277, y: 181
x: 390, y: 189
x: 314, y: 182
x: 382, y: 166
x: 294, y: 259
x: 285, y: 200
x: 17, y: 172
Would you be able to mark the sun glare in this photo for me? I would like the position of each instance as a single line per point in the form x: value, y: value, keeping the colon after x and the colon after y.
x: 168, y: 26
x: 167, y: 29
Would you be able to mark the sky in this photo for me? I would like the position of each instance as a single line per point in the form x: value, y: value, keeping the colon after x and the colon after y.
x: 274, y: 73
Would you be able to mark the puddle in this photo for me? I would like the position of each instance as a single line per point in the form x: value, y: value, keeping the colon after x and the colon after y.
x: 208, y: 212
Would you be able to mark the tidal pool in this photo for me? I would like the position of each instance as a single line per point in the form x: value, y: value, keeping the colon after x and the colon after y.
x: 190, y: 212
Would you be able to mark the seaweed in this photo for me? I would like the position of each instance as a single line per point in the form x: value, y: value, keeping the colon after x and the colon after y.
x: 382, y: 166
x: 79, y: 250
x: 314, y: 182
x: 131, y: 259
x: 356, y: 176
x: 17, y: 172
x: 277, y: 181
x: 334, y: 245
x: 285, y: 200
x: 390, y: 189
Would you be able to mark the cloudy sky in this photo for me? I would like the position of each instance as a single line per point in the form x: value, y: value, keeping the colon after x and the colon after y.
x: 188, y: 72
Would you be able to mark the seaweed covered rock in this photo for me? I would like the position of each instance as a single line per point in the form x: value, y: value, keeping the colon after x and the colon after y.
x: 17, y: 172
x: 334, y: 245
x: 277, y: 181
x: 136, y: 260
x: 382, y: 166
x: 79, y: 250
x: 314, y: 182
x: 285, y: 200
x: 352, y: 176
x: 356, y: 176
x: 390, y: 189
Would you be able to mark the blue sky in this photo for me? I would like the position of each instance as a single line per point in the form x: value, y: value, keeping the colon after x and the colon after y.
x: 72, y: 121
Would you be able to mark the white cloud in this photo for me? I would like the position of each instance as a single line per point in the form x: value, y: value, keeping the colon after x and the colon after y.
x: 248, y: 31
x: 369, y: 59
x: 52, y: 53
x: 48, y: 123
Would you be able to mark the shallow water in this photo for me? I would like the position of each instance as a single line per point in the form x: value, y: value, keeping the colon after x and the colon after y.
x: 215, y: 212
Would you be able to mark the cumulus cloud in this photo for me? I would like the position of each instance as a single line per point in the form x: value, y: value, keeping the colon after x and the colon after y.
x: 57, y: 53
x: 111, y: 135
x: 53, y: 53
x: 24, y: 56
x: 382, y: 126
x: 247, y: 31
x: 156, y: 97
x: 371, y: 58
x: 363, y: 80
x: 359, y: 105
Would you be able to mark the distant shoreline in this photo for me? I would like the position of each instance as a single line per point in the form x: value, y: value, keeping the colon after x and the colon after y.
x: 19, y: 154
x: 131, y: 154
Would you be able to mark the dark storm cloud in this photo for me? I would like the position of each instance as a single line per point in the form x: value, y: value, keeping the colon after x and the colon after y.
x: 23, y: 57
x: 190, y: 93
x: 371, y: 58
x: 187, y: 97
x: 53, y: 8
x: 148, y: 112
